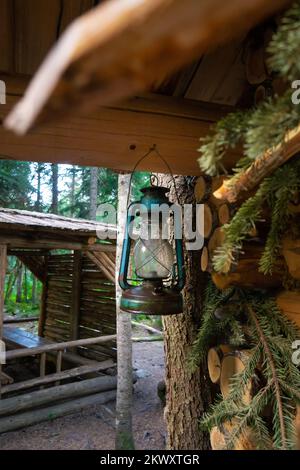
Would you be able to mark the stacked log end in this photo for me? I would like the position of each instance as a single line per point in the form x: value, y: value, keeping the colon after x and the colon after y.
x: 223, y: 363
x: 242, y: 269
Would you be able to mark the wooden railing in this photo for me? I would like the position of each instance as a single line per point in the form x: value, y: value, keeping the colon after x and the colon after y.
x: 59, y: 349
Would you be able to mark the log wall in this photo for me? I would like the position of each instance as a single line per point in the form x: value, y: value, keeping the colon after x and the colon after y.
x: 96, y: 313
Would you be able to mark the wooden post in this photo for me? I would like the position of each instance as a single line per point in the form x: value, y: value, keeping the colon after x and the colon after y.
x: 76, y: 294
x: 58, y: 364
x: 3, y: 261
x: 124, y: 431
x: 43, y: 311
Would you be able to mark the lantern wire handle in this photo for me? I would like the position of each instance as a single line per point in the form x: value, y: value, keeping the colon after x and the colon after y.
x: 153, y: 148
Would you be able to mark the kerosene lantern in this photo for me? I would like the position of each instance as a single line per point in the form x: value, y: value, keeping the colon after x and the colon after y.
x: 157, y: 270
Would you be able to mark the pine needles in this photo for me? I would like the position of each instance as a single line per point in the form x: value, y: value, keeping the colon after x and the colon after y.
x: 260, y: 129
x: 271, y: 341
x: 273, y: 194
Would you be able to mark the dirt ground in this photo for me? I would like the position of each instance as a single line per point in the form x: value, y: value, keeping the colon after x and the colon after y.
x: 93, y: 429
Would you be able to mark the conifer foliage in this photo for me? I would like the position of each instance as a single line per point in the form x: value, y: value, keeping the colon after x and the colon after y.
x: 270, y: 334
x: 270, y: 367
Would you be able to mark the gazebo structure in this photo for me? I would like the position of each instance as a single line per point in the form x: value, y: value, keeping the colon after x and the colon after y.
x: 77, y: 322
x: 124, y: 78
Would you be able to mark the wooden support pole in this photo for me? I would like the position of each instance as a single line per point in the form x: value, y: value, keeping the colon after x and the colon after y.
x: 43, y: 311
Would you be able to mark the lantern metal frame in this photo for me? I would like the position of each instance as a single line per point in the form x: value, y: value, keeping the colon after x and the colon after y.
x: 159, y: 296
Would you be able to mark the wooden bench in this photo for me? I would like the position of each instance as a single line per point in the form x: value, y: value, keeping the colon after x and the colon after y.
x: 16, y: 338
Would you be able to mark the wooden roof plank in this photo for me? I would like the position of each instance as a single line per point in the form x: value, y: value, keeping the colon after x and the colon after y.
x: 35, y: 30
x: 122, y: 47
x: 48, y: 223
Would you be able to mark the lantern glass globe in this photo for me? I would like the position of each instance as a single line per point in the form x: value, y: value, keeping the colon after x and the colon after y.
x: 153, y: 259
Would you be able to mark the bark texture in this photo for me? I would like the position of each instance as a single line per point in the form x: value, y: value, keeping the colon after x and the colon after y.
x: 93, y: 193
x: 124, y: 435
x: 188, y: 394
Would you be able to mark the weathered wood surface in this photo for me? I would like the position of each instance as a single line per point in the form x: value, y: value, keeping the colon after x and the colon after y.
x: 14, y: 405
x: 3, y: 264
x: 50, y: 346
x: 13, y: 321
x: 19, y: 338
x: 110, y: 137
x: 21, y: 220
x: 59, y: 376
x: 29, y: 418
x: 139, y: 43
x: 263, y: 166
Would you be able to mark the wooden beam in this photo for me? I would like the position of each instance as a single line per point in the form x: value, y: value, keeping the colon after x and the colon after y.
x: 43, y: 306
x: 13, y: 321
x: 102, y: 265
x: 25, y: 352
x: 123, y: 47
x: 51, y: 244
x: 116, y: 137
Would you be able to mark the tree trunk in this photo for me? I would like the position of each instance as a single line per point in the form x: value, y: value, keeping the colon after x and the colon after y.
x: 20, y: 283
x: 93, y: 193
x: 72, y: 191
x: 188, y: 394
x: 40, y: 167
x: 124, y: 435
x: 54, y: 207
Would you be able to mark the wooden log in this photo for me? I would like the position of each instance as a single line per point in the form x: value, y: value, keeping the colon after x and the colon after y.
x: 216, y: 183
x: 202, y: 189
x: 224, y: 214
x: 262, y: 166
x: 216, y: 240
x: 234, y: 363
x: 205, y: 260
x: 291, y: 253
x: 147, y: 339
x: 247, y: 275
x: 10, y: 321
x: 289, y: 304
x: 210, y: 220
x: 29, y: 418
x: 58, y: 346
x: 219, y: 437
x: 62, y: 392
x: 214, y: 360
x: 297, y: 426
x: 5, y: 379
x: 80, y: 371
x: 146, y: 327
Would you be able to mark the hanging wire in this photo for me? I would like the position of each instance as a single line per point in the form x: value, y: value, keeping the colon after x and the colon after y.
x: 152, y: 149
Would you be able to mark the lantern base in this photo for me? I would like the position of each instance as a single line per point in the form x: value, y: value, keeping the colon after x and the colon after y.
x: 148, y: 300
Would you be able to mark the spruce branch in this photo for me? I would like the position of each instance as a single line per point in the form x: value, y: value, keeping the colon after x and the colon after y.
x: 274, y: 373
